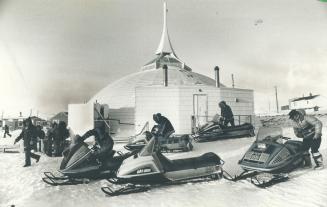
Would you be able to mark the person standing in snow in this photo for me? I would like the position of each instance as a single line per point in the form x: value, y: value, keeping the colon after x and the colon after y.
x: 6, y: 131
x: 226, y: 114
x: 28, y: 134
x: 61, y: 133
x: 309, y: 128
x: 49, y: 139
x: 40, y: 135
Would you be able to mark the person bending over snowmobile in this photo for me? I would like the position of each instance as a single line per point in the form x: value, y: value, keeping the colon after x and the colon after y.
x: 165, y: 128
x: 28, y: 135
x: 308, y: 128
x: 102, y: 139
x: 226, y: 114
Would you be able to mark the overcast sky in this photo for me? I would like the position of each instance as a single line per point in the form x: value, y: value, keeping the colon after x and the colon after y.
x: 57, y: 52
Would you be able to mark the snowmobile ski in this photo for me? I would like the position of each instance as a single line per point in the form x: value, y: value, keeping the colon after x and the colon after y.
x: 137, y: 188
x: 125, y: 190
x: 53, y: 180
x: 263, y: 183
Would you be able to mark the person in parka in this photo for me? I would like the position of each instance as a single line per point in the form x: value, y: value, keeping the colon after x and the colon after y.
x: 28, y: 134
x: 6, y: 131
x: 165, y: 128
x: 49, y: 139
x: 309, y: 128
x: 61, y: 133
x: 226, y: 114
x: 102, y: 139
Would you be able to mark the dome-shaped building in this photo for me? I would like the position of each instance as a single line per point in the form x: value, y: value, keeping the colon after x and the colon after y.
x: 121, y: 93
x: 166, y: 85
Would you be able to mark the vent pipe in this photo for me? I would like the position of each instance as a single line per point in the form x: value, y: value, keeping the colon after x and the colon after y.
x: 165, y: 75
x: 217, y: 77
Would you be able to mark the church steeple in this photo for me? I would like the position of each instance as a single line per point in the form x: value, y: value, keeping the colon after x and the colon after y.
x: 165, y: 52
x: 165, y: 46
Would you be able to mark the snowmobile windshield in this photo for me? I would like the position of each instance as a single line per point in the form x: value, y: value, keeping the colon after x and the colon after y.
x: 269, y: 132
x: 149, y: 148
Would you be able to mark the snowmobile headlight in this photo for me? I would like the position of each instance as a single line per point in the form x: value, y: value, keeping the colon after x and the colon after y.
x: 262, y: 146
x: 144, y: 170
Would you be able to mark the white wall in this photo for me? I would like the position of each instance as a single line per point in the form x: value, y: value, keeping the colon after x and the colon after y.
x: 186, y: 104
x: 241, y: 102
x: 80, y: 117
x: 156, y: 99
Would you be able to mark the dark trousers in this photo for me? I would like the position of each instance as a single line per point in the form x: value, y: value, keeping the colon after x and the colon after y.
x: 314, y: 144
x: 29, y: 155
x: 58, y: 148
x: 6, y: 133
x: 39, y: 146
x: 231, y: 121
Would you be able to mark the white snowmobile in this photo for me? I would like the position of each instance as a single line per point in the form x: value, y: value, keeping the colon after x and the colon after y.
x: 150, y: 168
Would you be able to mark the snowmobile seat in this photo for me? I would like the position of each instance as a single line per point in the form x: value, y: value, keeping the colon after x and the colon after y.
x: 207, y: 159
x: 211, y: 126
x: 245, y: 126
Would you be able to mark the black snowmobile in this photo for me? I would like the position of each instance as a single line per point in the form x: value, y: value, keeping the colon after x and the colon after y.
x: 213, y: 131
x: 270, y: 158
x: 79, y: 166
x: 151, y: 168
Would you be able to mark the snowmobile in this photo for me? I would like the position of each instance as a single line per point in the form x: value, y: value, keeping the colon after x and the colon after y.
x: 79, y: 165
x: 172, y: 143
x: 270, y: 158
x: 176, y: 142
x: 137, y: 142
x: 150, y: 168
x: 213, y: 131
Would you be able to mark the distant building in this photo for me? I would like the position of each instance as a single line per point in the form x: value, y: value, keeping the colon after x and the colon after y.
x: 38, y: 121
x: 310, y: 103
x: 61, y: 116
x: 13, y: 122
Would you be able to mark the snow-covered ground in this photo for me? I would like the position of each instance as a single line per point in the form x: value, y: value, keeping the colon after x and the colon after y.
x: 23, y: 186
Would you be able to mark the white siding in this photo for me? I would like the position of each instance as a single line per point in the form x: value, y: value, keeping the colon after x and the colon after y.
x: 156, y: 99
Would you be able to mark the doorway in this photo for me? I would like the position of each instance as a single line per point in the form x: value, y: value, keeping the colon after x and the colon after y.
x: 200, y: 108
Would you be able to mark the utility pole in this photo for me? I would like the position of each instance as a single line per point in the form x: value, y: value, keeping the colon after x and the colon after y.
x: 276, y: 99
x: 1, y: 120
x: 233, y: 81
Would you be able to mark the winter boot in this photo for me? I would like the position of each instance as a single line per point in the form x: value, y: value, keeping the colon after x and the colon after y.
x: 318, y: 160
x: 307, y: 160
x: 38, y: 158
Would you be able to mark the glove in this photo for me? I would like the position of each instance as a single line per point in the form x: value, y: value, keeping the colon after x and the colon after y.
x: 317, y: 136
